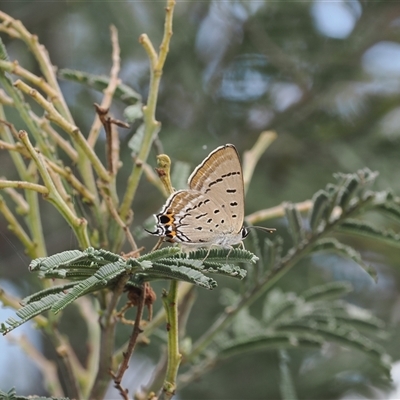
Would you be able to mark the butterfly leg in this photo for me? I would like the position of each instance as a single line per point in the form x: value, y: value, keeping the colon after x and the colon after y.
x: 230, y: 249
x: 158, y: 244
x: 208, y: 253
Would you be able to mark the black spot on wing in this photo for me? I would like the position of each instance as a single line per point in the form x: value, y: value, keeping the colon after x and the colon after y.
x: 215, y: 182
x: 201, y: 216
x: 230, y: 174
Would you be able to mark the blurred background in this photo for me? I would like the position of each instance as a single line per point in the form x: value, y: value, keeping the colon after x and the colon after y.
x: 324, y: 75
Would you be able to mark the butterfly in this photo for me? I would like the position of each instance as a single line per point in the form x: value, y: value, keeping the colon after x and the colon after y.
x: 211, y: 212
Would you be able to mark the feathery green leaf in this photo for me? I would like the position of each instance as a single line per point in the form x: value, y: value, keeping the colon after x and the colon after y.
x: 319, y: 211
x: 31, y: 310
x: 100, y: 82
x: 277, y: 305
x: 296, y: 228
x: 66, y: 257
x: 12, y: 395
x: 136, y: 140
x: 333, y: 245
x: 163, y: 271
x: 345, y: 335
x: 273, y: 341
x: 101, y: 279
x: 133, y: 112
x: 45, y: 292
x: 158, y: 254
x: 327, y: 292
x: 3, y: 51
x: 391, y: 209
x: 348, y: 191
x: 221, y: 255
x: 366, y: 229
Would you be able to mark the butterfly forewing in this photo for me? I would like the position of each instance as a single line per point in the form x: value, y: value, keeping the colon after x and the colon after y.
x: 220, y: 177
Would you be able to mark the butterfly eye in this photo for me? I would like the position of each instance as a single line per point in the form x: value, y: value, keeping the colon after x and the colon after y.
x: 245, y: 232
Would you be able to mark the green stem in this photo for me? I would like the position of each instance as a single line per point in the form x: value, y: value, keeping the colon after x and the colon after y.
x: 24, y: 111
x: 15, y: 156
x: 24, y: 185
x: 35, y: 223
x: 90, y: 316
x: 71, y: 129
x: 77, y: 224
x: 170, y: 302
x: 16, y: 69
x: 17, y: 229
x: 33, y: 219
x: 87, y: 158
x: 252, y: 156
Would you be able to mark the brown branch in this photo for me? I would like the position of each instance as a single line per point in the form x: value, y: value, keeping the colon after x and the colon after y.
x: 131, y: 345
x: 112, y: 85
x: 112, y: 138
x: 65, y: 355
x: 107, y: 339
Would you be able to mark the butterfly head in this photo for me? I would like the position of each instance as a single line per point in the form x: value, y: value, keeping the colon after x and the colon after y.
x: 165, y: 226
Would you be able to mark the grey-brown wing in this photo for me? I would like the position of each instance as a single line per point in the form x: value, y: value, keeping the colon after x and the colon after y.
x: 219, y: 177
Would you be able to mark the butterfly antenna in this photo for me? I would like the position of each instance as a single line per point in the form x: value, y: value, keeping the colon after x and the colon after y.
x: 262, y: 228
x: 151, y: 233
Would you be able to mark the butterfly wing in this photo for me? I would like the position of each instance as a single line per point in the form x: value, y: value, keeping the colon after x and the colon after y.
x: 211, y: 211
x: 219, y: 178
